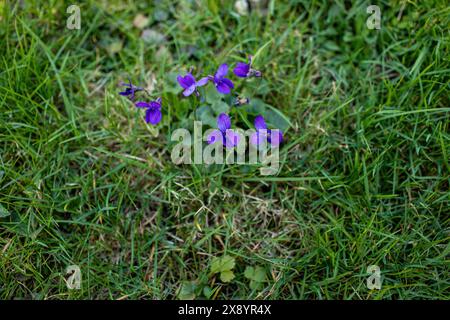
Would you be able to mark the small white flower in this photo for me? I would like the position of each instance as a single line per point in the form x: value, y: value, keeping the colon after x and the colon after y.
x: 241, y: 7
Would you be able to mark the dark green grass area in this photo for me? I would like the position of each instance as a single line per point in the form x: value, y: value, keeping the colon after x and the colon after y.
x: 364, y: 177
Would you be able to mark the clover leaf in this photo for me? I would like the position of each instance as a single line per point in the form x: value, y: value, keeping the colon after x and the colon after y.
x: 188, y: 290
x: 224, y: 266
x: 257, y: 276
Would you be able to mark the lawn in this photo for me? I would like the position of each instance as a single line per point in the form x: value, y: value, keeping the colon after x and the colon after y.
x: 364, y: 163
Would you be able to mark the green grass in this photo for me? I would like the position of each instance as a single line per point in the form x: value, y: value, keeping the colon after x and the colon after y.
x: 365, y: 170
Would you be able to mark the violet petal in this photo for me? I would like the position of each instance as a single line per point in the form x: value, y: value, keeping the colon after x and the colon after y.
x: 223, y: 88
x: 260, y: 123
x: 223, y: 122
x: 153, y: 116
x: 189, y: 91
x: 241, y: 69
x: 202, y: 82
x: 222, y: 71
x: 142, y: 104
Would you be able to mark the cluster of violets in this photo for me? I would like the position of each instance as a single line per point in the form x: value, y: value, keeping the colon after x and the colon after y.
x: 223, y: 85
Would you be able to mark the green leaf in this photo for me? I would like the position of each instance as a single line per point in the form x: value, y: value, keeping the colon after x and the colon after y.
x: 187, y: 291
x: 228, y: 263
x: 226, y: 276
x: 172, y: 84
x: 208, y: 292
x: 255, y: 285
x: 274, y: 118
x: 278, y: 119
x: 259, y: 274
x: 248, y: 273
x: 223, y: 264
x: 205, y: 115
x: 3, y: 212
x: 211, y: 94
x: 220, y: 107
x: 331, y: 46
x: 229, y: 99
x: 215, y: 265
x: 256, y: 275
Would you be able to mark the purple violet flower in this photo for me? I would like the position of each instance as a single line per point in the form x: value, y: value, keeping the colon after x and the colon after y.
x: 153, y: 113
x: 245, y: 70
x: 223, y: 85
x: 262, y: 133
x: 225, y: 133
x: 189, y: 84
x: 130, y: 90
